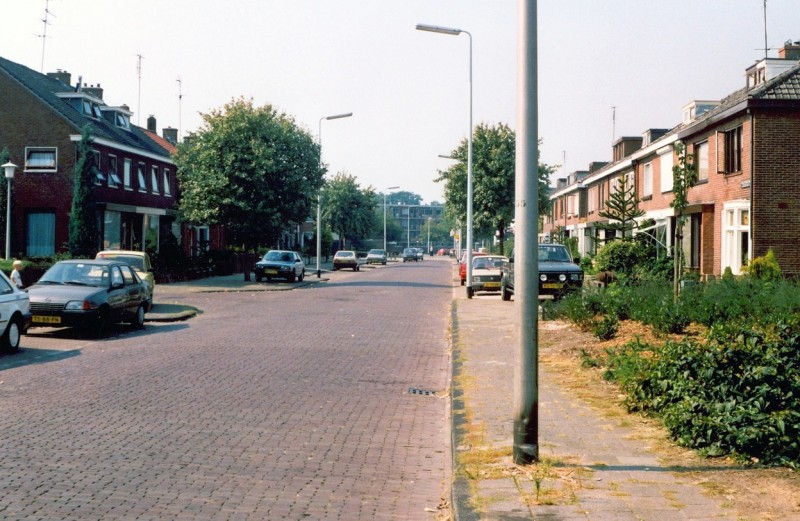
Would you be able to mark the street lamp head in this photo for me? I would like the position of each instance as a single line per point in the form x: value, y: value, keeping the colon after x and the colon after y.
x: 437, y: 29
x: 392, y: 187
x: 8, y: 170
x: 339, y: 116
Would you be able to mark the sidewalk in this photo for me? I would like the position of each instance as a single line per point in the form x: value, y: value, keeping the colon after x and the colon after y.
x: 593, y: 466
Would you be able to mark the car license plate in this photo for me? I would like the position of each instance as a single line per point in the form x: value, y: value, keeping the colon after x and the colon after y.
x: 492, y: 285
x: 272, y: 272
x: 553, y: 285
x: 46, y: 320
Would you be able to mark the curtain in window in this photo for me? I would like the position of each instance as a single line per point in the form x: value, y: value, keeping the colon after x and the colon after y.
x: 41, y: 234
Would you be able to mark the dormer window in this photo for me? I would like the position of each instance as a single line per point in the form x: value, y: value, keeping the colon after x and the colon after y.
x: 122, y: 121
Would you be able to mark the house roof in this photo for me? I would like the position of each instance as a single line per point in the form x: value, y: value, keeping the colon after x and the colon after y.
x: 163, y: 143
x: 47, y: 89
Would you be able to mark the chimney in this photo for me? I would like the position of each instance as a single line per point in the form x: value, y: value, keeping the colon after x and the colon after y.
x: 151, y: 124
x: 97, y: 92
x: 62, y: 76
x: 170, y: 134
x: 789, y: 51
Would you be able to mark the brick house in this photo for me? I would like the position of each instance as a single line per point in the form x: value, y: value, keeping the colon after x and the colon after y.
x: 747, y: 198
x: 41, y: 118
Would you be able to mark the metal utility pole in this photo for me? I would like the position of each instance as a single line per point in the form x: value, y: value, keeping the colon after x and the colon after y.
x: 526, y: 290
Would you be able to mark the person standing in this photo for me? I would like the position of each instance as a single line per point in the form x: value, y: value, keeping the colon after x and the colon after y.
x: 16, y: 277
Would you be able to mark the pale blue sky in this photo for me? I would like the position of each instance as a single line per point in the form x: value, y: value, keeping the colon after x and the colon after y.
x: 408, y: 89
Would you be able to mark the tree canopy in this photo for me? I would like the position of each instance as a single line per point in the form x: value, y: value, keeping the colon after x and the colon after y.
x: 251, y: 169
x: 493, y: 164
x: 348, y: 209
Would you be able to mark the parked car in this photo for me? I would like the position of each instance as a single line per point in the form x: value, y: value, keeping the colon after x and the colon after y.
x: 345, y: 259
x: 420, y: 253
x: 486, y: 274
x: 140, y: 261
x: 558, y: 273
x: 376, y: 256
x: 410, y: 254
x: 462, y: 267
x: 88, y: 295
x: 15, y: 314
x: 281, y: 264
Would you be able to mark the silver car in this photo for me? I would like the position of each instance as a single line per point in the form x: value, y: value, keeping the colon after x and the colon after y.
x: 281, y: 264
x: 15, y: 314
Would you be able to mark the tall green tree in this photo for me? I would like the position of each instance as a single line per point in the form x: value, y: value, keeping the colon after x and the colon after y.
x: 250, y: 169
x: 621, y: 209
x: 348, y: 209
x: 84, y: 235
x: 493, y: 163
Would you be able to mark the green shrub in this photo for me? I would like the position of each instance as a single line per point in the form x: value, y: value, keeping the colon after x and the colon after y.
x: 764, y: 268
x: 620, y: 256
x: 605, y: 328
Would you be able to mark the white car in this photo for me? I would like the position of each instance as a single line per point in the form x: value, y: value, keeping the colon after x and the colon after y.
x: 486, y: 274
x: 376, y: 256
x: 15, y: 314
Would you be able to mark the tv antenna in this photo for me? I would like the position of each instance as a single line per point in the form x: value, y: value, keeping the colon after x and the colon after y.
x: 180, y: 99
x: 613, y: 123
x: 139, y: 101
x: 45, y: 23
x: 767, y: 48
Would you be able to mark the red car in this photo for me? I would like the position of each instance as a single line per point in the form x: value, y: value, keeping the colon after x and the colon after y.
x: 462, y: 268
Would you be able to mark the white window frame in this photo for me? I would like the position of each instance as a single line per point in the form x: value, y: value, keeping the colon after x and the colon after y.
x: 154, y: 178
x: 667, y: 160
x: 126, y: 175
x: 140, y: 167
x: 647, y: 180
x: 591, y: 201
x: 113, y: 177
x: 49, y: 167
x: 701, y: 160
x: 167, y: 186
x: 735, y: 227
x: 100, y: 177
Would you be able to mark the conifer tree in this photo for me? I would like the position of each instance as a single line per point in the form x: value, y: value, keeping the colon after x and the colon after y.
x: 83, y: 232
x: 622, y: 209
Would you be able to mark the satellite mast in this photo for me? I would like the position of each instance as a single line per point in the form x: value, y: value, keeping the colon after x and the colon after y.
x: 139, y: 74
x: 45, y: 23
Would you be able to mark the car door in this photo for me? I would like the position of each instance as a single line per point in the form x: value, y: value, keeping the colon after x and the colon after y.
x: 7, y: 300
x: 134, y: 291
x: 117, y: 294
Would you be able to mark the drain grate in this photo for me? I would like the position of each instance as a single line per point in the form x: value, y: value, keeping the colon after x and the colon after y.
x: 421, y: 392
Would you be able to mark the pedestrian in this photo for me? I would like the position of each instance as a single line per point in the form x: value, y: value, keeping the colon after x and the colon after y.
x: 16, y: 278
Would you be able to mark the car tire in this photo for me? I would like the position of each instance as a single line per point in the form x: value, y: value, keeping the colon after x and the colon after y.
x: 9, y: 343
x: 301, y: 276
x: 292, y: 277
x: 138, y: 318
x: 470, y: 292
x: 356, y: 268
x: 504, y: 293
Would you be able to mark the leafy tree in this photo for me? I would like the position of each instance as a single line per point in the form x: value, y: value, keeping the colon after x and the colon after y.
x: 684, y: 176
x: 493, y: 162
x: 84, y: 236
x: 403, y: 197
x: 250, y: 169
x: 348, y: 209
x: 622, y: 209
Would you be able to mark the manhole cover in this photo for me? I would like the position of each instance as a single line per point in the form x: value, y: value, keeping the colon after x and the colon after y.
x: 421, y: 392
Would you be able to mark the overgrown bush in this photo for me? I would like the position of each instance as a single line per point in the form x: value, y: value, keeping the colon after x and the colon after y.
x: 764, y: 268
x: 605, y: 327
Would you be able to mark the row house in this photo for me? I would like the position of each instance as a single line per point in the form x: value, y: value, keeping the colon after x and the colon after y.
x: 41, y: 119
x: 746, y: 200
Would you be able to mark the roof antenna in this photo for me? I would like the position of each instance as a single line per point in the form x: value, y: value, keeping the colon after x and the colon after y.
x: 767, y: 48
x: 180, y: 98
x: 139, y: 74
x: 45, y: 23
x: 613, y: 123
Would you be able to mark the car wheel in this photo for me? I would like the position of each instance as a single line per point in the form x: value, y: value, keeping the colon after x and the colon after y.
x: 470, y: 292
x: 355, y: 268
x: 9, y: 343
x: 269, y: 279
x: 258, y: 277
x: 292, y: 277
x: 504, y: 293
x: 301, y: 276
x: 138, y: 318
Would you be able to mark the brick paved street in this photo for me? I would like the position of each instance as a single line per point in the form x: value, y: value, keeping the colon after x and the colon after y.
x: 267, y: 405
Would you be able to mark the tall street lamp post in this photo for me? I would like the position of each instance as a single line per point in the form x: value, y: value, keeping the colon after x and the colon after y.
x: 8, y: 169
x: 384, y: 215
x: 456, y: 32
x: 319, y: 197
x: 429, y: 235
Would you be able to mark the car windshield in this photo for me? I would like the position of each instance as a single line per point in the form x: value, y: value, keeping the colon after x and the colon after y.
x: 553, y: 254
x: 133, y: 260
x: 278, y: 256
x: 375, y: 252
x: 344, y: 254
x: 79, y: 274
x: 487, y: 263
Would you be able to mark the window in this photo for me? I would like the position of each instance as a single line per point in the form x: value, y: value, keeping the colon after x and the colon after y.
x: 736, y: 235
x: 112, y: 224
x: 41, y: 159
x: 695, y: 243
x: 140, y: 177
x: 122, y: 121
x: 201, y: 240
x: 154, y: 179
x: 647, y: 180
x: 167, y: 188
x: 126, y: 175
x: 592, y: 200
x: 666, y: 170
x: 98, y: 173
x: 41, y: 236
x: 113, y: 177
x: 730, y: 161
x: 701, y: 160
